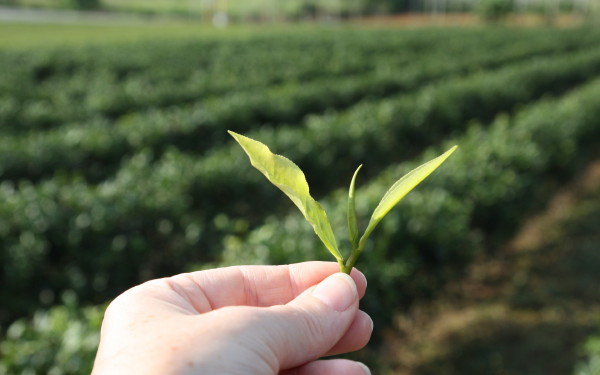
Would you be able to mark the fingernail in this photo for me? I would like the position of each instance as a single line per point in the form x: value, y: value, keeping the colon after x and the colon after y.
x: 371, y: 321
x: 365, y: 368
x: 338, y: 291
x: 362, y: 276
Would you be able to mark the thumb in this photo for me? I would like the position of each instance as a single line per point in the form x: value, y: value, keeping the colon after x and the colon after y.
x: 312, y: 323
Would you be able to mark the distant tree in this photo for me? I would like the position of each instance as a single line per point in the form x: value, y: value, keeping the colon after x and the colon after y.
x: 86, y: 4
x: 309, y: 9
x: 495, y: 10
x: 399, y: 6
x: 387, y: 6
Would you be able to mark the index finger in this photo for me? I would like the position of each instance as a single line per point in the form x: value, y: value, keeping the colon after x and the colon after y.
x: 257, y: 285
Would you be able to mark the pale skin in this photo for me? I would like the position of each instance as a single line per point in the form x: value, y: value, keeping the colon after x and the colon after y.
x: 250, y: 320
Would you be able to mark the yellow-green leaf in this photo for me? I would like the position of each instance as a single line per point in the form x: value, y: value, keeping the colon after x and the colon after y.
x: 402, y: 187
x: 352, y: 222
x: 288, y: 177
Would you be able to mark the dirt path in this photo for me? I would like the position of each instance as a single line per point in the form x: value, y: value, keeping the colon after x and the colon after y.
x: 526, y: 310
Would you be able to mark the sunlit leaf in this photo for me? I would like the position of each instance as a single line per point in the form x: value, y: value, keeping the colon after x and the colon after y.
x: 352, y: 222
x: 288, y: 177
x: 402, y: 187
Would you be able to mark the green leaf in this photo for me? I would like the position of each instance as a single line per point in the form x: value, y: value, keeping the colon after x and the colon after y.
x: 402, y: 187
x: 352, y: 223
x: 286, y: 175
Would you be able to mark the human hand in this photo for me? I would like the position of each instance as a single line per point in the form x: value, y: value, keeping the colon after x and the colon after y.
x: 238, y: 320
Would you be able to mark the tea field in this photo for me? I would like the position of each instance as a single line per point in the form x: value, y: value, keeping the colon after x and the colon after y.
x: 116, y: 167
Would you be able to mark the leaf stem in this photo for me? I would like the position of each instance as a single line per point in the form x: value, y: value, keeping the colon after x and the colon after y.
x: 352, y: 259
x: 343, y: 266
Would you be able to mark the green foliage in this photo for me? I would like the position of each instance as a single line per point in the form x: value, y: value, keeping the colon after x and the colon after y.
x: 352, y: 219
x: 61, y: 340
x: 495, y: 10
x: 196, y: 128
x: 402, y: 187
x: 477, y: 196
x: 160, y: 223
x: 139, y: 170
x: 286, y: 175
x: 86, y: 4
x: 592, y: 365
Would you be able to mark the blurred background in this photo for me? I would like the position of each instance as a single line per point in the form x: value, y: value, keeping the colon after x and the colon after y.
x: 116, y: 168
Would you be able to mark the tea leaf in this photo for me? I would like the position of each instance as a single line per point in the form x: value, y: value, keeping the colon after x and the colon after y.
x: 352, y: 223
x: 402, y: 187
x: 288, y: 177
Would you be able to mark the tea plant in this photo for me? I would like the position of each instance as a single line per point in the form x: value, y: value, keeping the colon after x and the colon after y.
x: 290, y: 179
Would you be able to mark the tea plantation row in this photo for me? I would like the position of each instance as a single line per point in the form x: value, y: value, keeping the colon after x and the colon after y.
x: 88, y: 147
x: 90, y: 208
x: 500, y: 171
x: 499, y: 174
x: 50, y: 88
x: 45, y: 226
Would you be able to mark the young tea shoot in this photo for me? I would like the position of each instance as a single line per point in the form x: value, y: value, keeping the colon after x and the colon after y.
x: 290, y: 179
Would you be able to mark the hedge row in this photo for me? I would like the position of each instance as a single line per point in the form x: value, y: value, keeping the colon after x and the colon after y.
x: 116, y: 80
x: 158, y: 216
x: 177, y: 61
x: 96, y: 151
x: 432, y: 233
x: 62, y: 340
x: 87, y: 90
x: 93, y: 150
x: 498, y: 175
x: 408, y: 124
x: 313, y: 53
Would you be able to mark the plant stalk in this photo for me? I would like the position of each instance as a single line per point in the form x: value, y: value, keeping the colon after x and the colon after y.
x: 347, y: 268
x: 343, y: 267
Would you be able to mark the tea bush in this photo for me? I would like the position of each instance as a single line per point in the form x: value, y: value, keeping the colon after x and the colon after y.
x: 592, y: 365
x: 172, y: 212
x: 496, y: 177
x: 199, y: 126
x: 114, y: 164
x: 62, y: 340
x: 422, y: 244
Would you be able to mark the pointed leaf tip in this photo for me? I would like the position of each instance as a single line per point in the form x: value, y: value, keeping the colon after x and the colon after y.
x: 352, y: 221
x: 290, y: 179
x: 402, y: 187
